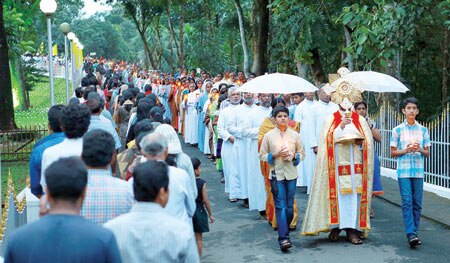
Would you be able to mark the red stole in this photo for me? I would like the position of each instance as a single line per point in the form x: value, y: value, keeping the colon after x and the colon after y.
x: 332, y: 193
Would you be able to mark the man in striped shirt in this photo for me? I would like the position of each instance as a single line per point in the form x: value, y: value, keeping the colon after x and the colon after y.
x: 410, y: 144
x: 106, y: 197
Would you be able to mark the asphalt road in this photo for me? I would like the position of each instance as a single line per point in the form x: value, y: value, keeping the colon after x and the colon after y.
x: 239, y: 235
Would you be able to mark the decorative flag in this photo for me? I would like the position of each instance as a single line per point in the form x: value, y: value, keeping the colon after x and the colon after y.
x: 41, y: 48
x: 55, y: 50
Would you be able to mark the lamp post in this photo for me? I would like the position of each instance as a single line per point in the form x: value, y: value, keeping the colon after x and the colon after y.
x: 48, y: 7
x: 71, y: 36
x: 65, y: 28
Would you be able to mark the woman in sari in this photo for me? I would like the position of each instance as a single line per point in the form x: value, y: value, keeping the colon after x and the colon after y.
x: 377, y: 188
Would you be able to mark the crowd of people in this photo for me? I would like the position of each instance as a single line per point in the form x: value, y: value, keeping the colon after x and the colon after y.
x: 113, y: 170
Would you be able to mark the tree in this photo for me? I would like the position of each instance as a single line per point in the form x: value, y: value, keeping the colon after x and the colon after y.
x: 242, y: 34
x: 21, y: 35
x: 304, y: 42
x: 142, y: 12
x: 261, y: 22
x: 6, y: 96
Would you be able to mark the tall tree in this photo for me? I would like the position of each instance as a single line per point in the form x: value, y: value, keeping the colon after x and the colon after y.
x: 6, y: 96
x: 181, y: 35
x: 142, y: 12
x: 240, y: 14
x: 260, y: 36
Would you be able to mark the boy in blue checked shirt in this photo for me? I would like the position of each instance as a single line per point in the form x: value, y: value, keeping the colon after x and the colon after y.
x: 410, y: 144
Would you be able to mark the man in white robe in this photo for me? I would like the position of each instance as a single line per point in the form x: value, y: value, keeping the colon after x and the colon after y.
x: 256, y: 190
x: 320, y: 111
x: 225, y: 117
x: 239, y: 177
x: 303, y: 115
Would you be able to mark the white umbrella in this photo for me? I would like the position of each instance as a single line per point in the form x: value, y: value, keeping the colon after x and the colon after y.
x: 373, y: 81
x: 277, y: 83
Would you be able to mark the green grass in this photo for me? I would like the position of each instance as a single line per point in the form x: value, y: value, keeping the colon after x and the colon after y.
x: 19, y: 173
x: 36, y: 115
x: 40, y: 103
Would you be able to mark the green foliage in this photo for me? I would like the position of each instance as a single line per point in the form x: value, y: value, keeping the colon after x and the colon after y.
x: 380, y: 30
x: 40, y: 102
x: 16, y: 24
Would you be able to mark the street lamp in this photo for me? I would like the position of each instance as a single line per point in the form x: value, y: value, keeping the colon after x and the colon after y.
x: 65, y: 28
x: 48, y: 7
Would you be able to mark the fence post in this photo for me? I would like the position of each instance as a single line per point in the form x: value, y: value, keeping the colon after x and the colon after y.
x: 1, y: 209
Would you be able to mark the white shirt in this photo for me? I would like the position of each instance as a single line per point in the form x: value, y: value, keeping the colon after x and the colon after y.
x: 257, y: 117
x: 67, y: 148
x: 181, y: 202
x: 303, y: 115
x: 149, y: 234
x: 320, y: 111
x: 225, y: 117
x: 238, y: 122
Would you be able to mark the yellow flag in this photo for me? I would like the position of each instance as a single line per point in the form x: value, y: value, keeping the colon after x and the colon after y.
x: 76, y: 55
x: 55, y: 50
x: 41, y: 48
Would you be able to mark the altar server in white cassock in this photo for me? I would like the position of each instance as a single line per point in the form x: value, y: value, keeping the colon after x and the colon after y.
x: 256, y: 190
x: 239, y: 177
x: 226, y: 115
x: 320, y: 112
x: 191, y: 118
x: 303, y: 115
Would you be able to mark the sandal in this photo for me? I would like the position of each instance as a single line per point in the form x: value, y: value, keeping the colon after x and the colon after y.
x: 353, y: 238
x: 334, y: 235
x: 285, y: 245
x: 360, y: 235
x: 372, y: 213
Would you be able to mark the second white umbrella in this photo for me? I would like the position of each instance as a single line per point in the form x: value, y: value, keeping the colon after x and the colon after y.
x: 277, y: 83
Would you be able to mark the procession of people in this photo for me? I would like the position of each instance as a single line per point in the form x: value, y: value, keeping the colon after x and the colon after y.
x: 117, y: 146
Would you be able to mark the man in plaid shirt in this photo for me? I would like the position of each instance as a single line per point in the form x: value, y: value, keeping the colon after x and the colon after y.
x: 410, y: 143
x: 106, y: 196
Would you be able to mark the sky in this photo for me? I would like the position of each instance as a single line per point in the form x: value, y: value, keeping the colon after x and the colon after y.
x: 91, y: 7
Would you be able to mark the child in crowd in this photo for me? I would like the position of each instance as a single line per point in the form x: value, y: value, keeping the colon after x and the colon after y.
x: 410, y: 144
x: 200, y: 218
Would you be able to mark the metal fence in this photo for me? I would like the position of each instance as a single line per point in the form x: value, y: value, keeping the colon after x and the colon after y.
x: 14, y: 215
x: 58, y: 70
x: 437, y: 171
x: 16, y: 145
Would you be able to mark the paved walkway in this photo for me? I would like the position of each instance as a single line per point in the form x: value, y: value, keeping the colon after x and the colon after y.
x: 434, y: 207
x: 240, y: 235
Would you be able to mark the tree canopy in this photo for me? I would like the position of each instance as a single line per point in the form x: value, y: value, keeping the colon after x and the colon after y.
x: 407, y: 39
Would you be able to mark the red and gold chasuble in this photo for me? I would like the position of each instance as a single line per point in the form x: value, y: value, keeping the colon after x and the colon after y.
x: 332, y: 193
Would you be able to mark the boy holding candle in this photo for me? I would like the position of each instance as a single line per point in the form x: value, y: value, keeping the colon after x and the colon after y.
x: 410, y: 144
